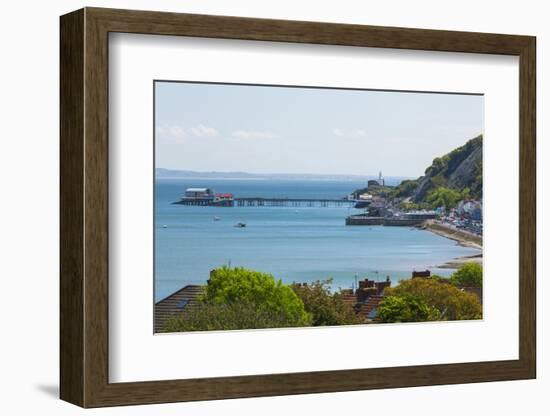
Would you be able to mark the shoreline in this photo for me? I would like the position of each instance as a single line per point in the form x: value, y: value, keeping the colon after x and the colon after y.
x: 459, y: 261
x: 462, y: 238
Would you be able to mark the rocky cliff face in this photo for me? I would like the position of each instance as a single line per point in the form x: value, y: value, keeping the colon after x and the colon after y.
x: 459, y: 169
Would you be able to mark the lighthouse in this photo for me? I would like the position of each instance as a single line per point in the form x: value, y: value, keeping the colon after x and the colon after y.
x: 381, y: 179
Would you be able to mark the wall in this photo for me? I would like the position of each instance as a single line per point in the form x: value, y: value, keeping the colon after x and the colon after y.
x: 29, y: 205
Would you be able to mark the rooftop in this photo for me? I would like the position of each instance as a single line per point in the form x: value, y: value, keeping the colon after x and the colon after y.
x: 175, y: 304
x: 197, y: 190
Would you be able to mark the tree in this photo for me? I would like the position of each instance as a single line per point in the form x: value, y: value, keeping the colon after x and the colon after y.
x: 411, y: 206
x: 442, y: 196
x: 406, y: 309
x: 209, y: 316
x: 326, y: 308
x: 438, y: 165
x: 468, y: 275
x: 451, y: 302
x: 260, y: 290
x: 405, y: 188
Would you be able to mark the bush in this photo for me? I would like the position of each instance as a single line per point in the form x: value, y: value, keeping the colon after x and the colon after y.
x: 209, y: 316
x: 468, y: 275
x: 405, y: 188
x: 325, y: 308
x: 442, y: 196
x: 259, y: 290
x: 451, y: 302
x: 406, y: 309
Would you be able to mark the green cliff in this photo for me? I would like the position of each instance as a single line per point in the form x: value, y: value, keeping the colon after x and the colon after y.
x: 460, y: 170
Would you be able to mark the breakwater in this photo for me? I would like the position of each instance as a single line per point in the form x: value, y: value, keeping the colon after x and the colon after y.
x: 364, y: 220
x: 387, y: 221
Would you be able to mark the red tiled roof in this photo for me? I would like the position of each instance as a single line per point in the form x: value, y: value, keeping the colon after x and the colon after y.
x: 349, y: 298
x: 370, y: 304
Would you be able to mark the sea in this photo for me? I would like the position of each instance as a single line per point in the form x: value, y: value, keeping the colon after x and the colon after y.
x: 294, y: 244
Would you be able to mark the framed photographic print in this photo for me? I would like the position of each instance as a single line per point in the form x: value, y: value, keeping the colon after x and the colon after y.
x: 255, y: 207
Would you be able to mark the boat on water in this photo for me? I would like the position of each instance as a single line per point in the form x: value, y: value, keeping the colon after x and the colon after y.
x: 240, y: 225
x: 217, y: 218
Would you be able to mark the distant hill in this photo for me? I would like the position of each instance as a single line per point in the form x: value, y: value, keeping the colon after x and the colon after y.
x: 189, y: 174
x: 459, y: 169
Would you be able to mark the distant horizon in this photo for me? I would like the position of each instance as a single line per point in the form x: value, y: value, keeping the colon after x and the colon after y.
x: 195, y: 173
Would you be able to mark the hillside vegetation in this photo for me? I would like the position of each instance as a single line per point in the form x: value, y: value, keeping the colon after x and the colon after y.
x: 459, y: 170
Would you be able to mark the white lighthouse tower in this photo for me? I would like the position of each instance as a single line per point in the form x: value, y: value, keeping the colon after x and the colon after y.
x: 381, y: 179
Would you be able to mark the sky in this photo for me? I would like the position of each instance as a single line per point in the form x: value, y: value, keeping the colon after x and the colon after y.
x: 273, y: 129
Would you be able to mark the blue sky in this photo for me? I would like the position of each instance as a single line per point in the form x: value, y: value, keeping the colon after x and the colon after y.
x: 264, y: 129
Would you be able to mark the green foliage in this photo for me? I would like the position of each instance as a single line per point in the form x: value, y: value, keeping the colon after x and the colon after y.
x: 451, y: 302
x: 405, y: 188
x: 326, y: 308
x: 453, y: 159
x: 406, y: 309
x: 238, y: 298
x: 439, y: 164
x: 384, y: 191
x: 442, y: 174
x: 411, y: 206
x: 446, y: 197
x: 468, y: 275
x: 239, y: 285
x: 209, y: 316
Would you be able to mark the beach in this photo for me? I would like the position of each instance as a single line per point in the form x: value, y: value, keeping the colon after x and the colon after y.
x: 462, y: 238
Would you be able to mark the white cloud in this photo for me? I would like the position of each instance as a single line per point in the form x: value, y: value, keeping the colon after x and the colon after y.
x: 173, y: 133
x: 178, y: 134
x: 349, y: 133
x: 253, y: 134
x: 204, y: 131
x: 358, y: 133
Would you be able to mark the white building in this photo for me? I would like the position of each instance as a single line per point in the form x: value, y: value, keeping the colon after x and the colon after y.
x: 199, y: 193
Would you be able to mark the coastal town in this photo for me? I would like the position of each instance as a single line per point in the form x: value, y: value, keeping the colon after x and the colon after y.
x: 380, y: 208
x: 376, y: 202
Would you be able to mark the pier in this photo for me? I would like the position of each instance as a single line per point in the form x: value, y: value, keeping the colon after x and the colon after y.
x: 207, y: 197
x: 292, y: 202
x: 267, y: 202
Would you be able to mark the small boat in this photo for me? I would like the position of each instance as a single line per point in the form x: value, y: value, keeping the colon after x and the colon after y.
x: 164, y: 226
x: 240, y: 225
x: 217, y: 218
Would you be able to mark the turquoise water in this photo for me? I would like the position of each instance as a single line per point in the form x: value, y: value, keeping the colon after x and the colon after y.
x: 294, y: 244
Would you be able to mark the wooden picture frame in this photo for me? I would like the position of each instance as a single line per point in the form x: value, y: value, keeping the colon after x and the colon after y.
x: 84, y: 207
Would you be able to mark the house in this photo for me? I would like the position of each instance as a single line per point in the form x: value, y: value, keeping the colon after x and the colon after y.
x: 470, y: 209
x: 175, y: 304
x: 368, y: 296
